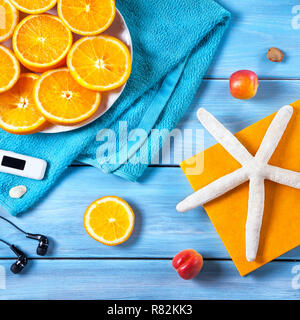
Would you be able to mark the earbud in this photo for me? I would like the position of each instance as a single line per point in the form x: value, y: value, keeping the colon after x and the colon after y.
x: 21, y: 262
x: 43, y: 243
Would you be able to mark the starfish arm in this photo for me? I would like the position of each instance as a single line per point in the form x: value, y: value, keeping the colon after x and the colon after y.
x: 283, y: 176
x: 255, y: 215
x: 213, y: 190
x: 274, y: 134
x: 224, y: 137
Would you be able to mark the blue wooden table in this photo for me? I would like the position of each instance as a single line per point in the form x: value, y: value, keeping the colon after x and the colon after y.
x: 80, y: 268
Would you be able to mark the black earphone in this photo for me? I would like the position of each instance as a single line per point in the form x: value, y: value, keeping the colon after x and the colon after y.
x: 43, y: 245
x: 21, y: 262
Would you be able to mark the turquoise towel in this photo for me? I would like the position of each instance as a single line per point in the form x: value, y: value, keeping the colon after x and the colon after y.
x: 174, y: 43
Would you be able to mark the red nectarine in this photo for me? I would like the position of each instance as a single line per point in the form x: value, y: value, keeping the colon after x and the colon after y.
x: 188, y: 263
x: 243, y: 84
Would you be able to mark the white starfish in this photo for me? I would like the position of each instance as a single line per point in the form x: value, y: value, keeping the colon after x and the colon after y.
x: 254, y: 168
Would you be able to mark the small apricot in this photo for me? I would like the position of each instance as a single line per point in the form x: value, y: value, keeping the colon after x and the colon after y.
x: 243, y: 84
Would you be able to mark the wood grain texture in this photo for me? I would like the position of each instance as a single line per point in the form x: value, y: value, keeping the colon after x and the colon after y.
x: 146, y: 279
x: 255, y: 27
x: 160, y: 231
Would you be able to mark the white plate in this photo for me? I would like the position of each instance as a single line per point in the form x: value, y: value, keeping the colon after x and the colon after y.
x: 119, y: 30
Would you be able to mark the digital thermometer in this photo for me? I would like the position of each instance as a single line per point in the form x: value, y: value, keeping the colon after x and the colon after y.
x: 20, y: 165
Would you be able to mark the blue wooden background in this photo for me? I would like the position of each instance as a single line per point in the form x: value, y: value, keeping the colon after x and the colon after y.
x: 78, y: 267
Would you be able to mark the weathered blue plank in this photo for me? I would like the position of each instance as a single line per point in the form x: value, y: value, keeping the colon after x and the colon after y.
x: 159, y: 230
x: 256, y: 26
x: 144, y: 279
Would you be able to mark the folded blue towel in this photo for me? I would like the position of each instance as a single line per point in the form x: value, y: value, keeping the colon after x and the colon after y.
x: 174, y: 43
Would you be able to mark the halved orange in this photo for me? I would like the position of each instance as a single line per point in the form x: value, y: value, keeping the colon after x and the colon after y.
x: 109, y: 220
x: 42, y: 42
x: 100, y: 63
x: 62, y: 100
x: 18, y: 112
x: 87, y: 17
x: 9, y: 17
x: 9, y: 69
x: 33, y: 6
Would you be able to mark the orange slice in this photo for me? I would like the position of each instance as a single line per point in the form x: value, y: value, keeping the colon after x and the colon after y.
x: 62, y: 100
x: 9, y: 17
x: 100, y: 63
x: 33, y: 6
x: 109, y: 220
x: 87, y: 17
x: 18, y: 112
x: 9, y: 69
x: 41, y: 42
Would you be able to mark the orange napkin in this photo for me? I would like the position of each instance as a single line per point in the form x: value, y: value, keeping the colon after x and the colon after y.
x: 280, y: 230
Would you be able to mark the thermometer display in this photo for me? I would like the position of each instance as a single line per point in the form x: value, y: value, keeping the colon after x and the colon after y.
x: 13, y: 163
x: 21, y: 165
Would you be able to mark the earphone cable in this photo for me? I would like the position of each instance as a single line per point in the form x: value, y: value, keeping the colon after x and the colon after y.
x: 13, y: 225
x: 5, y: 242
